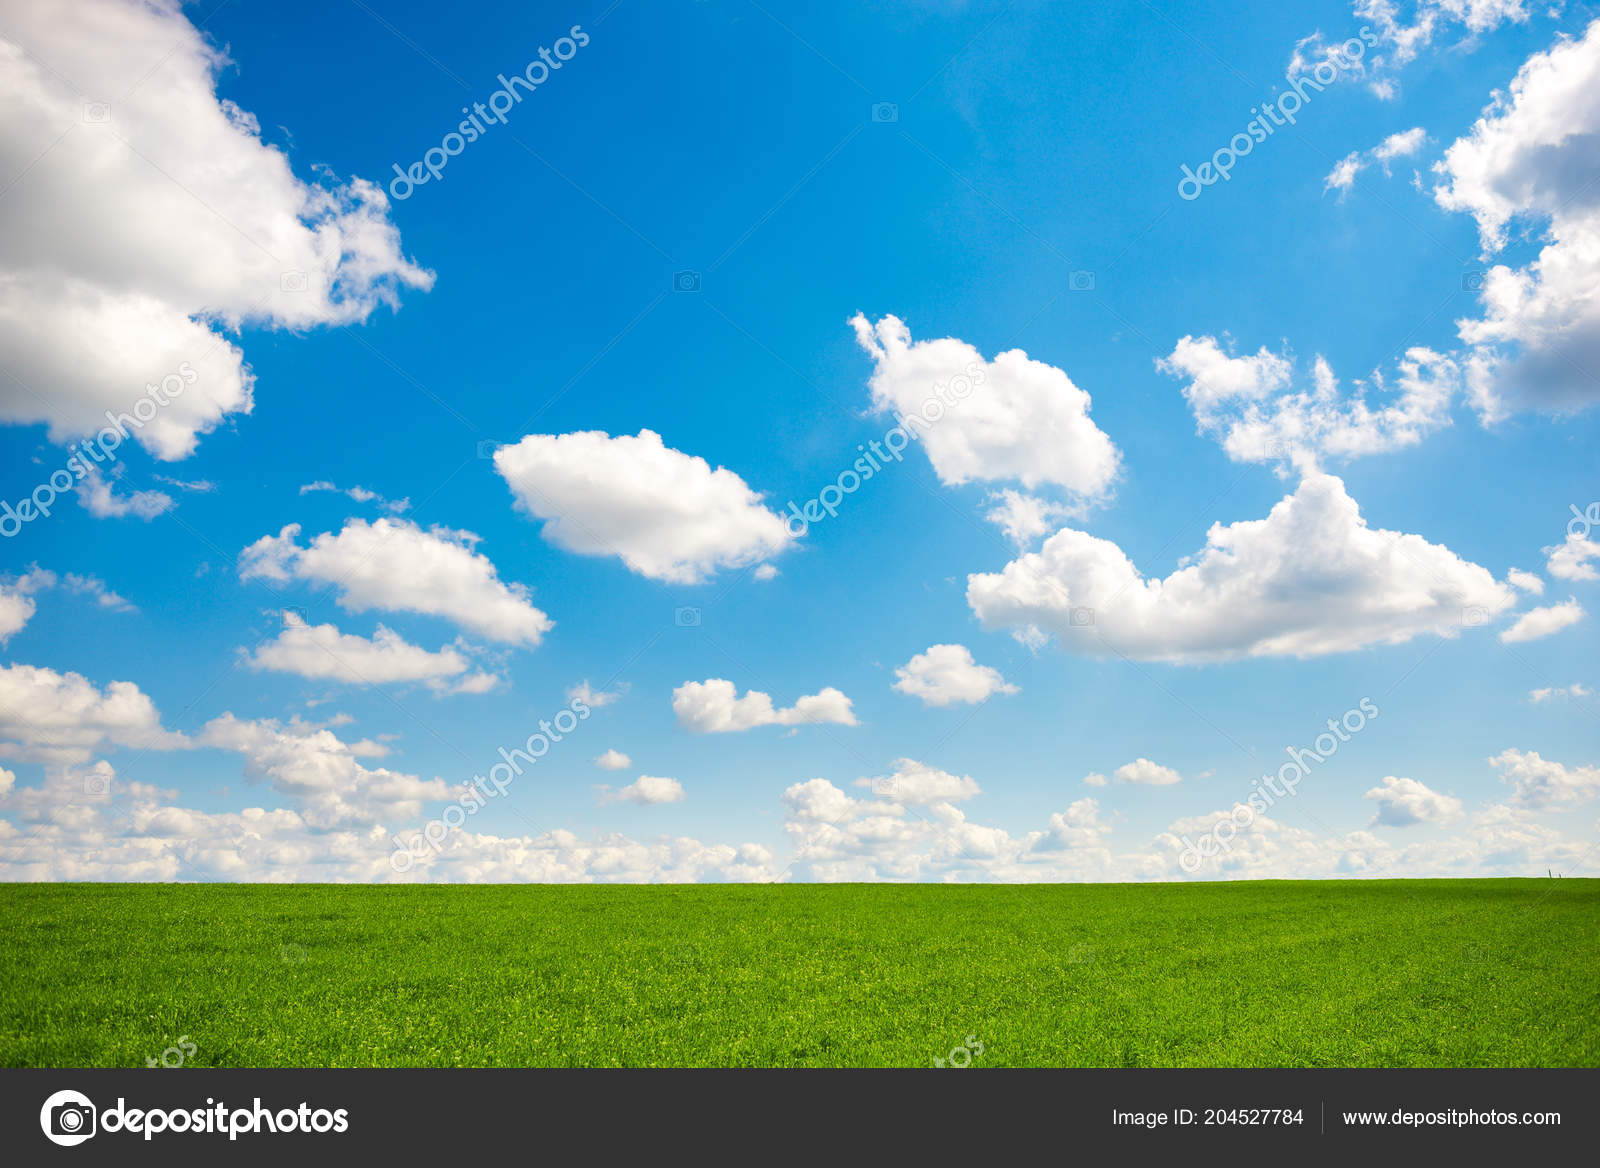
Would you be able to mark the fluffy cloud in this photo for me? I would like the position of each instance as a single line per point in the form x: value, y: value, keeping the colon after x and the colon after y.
x: 1021, y: 419
x: 323, y: 652
x: 646, y: 790
x: 587, y: 695
x: 53, y: 717
x: 1537, y: 783
x: 138, y: 230
x: 1530, y: 157
x: 1526, y: 581
x: 17, y: 605
x: 1570, y: 560
x: 1150, y: 774
x: 946, y: 674
x: 322, y: 775
x: 1311, y: 578
x: 714, y: 707
x: 394, y: 565
x: 918, y: 784
x: 613, y: 760
x: 1248, y: 404
x: 1542, y: 622
x: 1024, y: 518
x: 667, y: 515
x: 1400, y: 145
x: 1404, y: 802
x: 99, y: 498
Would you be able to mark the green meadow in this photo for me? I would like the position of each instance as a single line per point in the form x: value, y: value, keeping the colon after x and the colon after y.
x: 1328, y: 974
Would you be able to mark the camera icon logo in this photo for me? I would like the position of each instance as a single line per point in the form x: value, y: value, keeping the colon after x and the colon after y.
x: 885, y: 112
x: 67, y: 1118
x: 1278, y: 448
x: 96, y: 783
x: 1472, y: 616
x: 1081, y: 282
x: 1080, y: 618
x: 295, y: 281
x: 487, y: 447
x: 1473, y: 281
x: 96, y: 112
x: 686, y: 281
x: 686, y: 617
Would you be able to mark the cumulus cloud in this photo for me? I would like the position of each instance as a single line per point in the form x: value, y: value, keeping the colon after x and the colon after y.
x: 917, y: 784
x: 394, y: 565
x: 1024, y: 518
x: 667, y: 515
x: 53, y: 717
x: 1309, y: 579
x: 646, y: 790
x: 586, y: 694
x: 100, y: 498
x: 1538, y: 783
x: 1147, y: 773
x: 713, y: 707
x: 1542, y: 622
x: 1019, y: 419
x: 1525, y: 581
x: 1405, y: 802
x: 946, y: 674
x: 17, y: 605
x: 1532, y: 158
x: 1250, y: 406
x: 322, y: 652
x: 138, y: 231
x: 1570, y: 560
x: 613, y: 760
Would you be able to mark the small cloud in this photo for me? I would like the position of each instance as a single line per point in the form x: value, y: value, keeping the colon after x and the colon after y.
x: 613, y: 760
x: 646, y: 790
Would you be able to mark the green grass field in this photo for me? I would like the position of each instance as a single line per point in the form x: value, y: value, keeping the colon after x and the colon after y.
x: 1383, y: 973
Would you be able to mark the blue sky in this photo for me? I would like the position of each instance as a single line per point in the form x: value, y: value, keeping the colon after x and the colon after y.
x: 673, y: 234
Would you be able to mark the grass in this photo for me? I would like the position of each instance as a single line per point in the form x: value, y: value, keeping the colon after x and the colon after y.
x: 1331, y: 973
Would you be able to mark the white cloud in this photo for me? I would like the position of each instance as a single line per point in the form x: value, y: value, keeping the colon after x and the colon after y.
x: 17, y: 605
x: 646, y: 790
x: 1401, y: 145
x: 394, y: 565
x: 765, y: 572
x: 1530, y: 158
x: 613, y: 760
x: 1147, y: 773
x: 586, y: 694
x: 1094, y: 779
x: 667, y: 515
x: 1526, y: 581
x: 1024, y: 518
x: 359, y: 494
x: 99, y: 498
x: 1575, y: 690
x: 1309, y: 579
x: 1537, y: 783
x: 917, y: 784
x: 322, y: 652
x: 137, y: 231
x: 946, y: 674
x: 1542, y: 622
x: 53, y: 717
x: 1022, y: 419
x: 713, y: 707
x: 1570, y: 560
x: 1404, y: 802
x: 1247, y: 404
